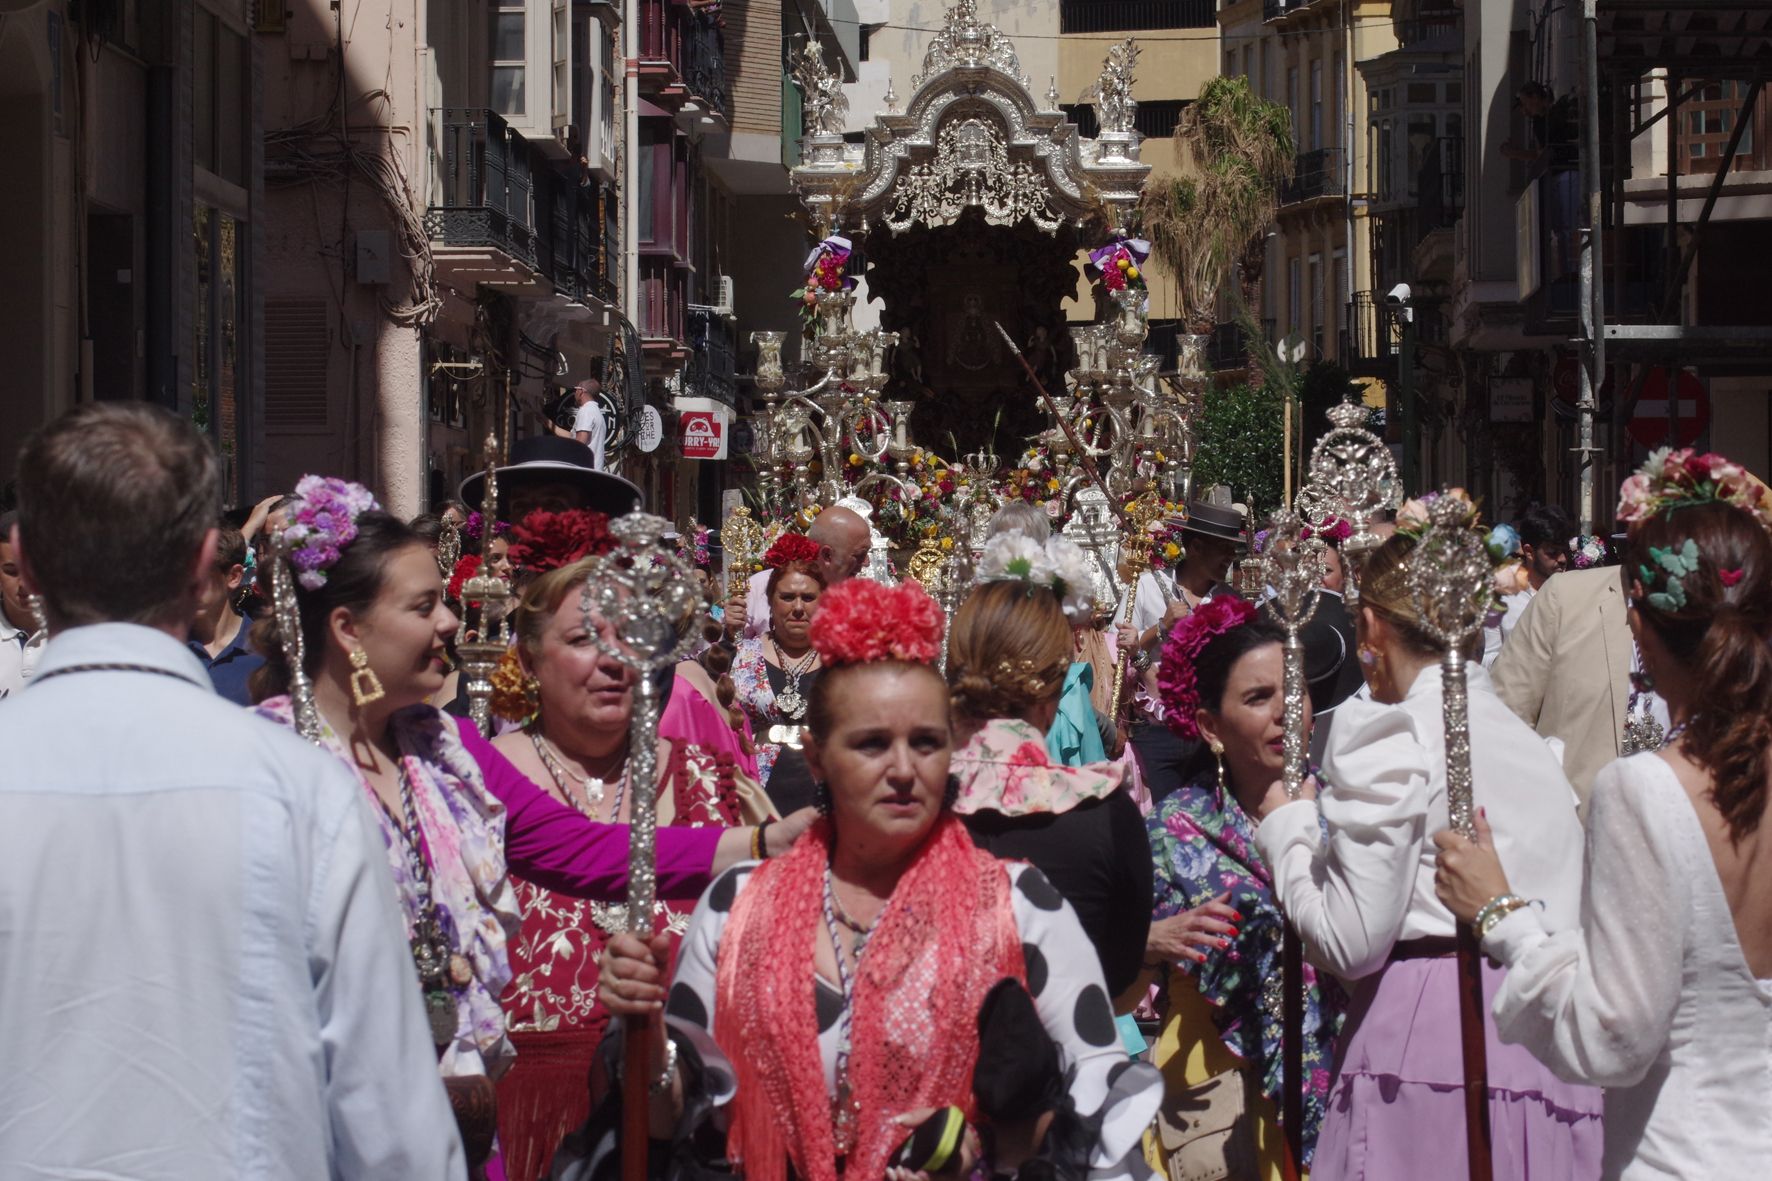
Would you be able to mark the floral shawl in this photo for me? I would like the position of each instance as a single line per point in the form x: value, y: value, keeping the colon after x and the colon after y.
x: 1006, y: 768
x: 464, y: 832
x: 1204, y: 846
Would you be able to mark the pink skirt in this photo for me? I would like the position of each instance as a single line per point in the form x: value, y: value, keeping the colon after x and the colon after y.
x: 1396, y: 1109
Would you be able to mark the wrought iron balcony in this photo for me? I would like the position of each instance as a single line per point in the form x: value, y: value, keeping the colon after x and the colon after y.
x: 1427, y: 24
x: 1112, y: 16
x: 682, y: 55
x: 1315, y: 174
x: 1368, y: 341
x: 484, y: 186
x: 570, y: 248
x: 713, y: 365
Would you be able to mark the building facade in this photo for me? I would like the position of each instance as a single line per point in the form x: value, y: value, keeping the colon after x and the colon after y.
x: 131, y: 221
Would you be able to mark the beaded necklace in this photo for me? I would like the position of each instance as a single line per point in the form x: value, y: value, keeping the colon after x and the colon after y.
x: 846, y: 1110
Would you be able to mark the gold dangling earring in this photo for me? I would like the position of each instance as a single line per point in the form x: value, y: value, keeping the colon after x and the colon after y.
x: 1218, y: 755
x: 365, y: 685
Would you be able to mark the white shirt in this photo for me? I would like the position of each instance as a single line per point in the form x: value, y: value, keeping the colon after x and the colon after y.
x: 589, y: 420
x: 1372, y: 883
x: 18, y: 657
x: 202, y: 971
x: 1650, y: 997
x: 1149, y: 603
x: 756, y: 605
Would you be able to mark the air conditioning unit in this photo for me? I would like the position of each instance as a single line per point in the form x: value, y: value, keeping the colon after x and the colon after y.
x: 723, y: 301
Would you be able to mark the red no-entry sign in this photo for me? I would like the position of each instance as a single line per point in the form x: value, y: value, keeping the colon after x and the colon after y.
x: 1648, y: 425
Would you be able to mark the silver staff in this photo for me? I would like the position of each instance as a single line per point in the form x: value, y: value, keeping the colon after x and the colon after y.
x: 1292, y: 572
x: 1448, y: 577
x: 288, y: 615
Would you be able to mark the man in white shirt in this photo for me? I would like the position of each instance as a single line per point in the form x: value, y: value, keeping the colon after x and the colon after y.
x: 588, y: 424
x: 18, y: 656
x: 202, y: 969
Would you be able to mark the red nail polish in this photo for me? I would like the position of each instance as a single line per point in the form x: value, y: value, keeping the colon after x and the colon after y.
x: 1234, y: 932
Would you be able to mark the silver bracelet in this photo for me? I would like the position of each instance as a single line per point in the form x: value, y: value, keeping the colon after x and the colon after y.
x: 1494, y: 910
x: 668, y: 1075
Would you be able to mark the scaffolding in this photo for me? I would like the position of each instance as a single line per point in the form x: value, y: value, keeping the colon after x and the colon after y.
x: 1623, y: 42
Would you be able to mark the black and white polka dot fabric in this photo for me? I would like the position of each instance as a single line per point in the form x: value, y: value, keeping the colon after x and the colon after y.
x: 1064, y: 978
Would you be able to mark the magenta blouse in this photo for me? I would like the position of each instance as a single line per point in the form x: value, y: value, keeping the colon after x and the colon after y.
x: 560, y: 848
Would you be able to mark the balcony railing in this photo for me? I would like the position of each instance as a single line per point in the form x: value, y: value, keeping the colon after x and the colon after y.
x: 1369, y: 339
x: 1315, y: 174
x: 714, y: 364
x: 675, y: 36
x: 484, y: 186
x: 1113, y: 16
x: 1439, y: 184
x: 1425, y: 25
x: 494, y: 191
x: 663, y: 302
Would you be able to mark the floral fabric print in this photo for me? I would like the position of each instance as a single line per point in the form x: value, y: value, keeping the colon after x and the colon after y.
x: 463, y: 827
x: 1204, y: 845
x: 555, y: 959
x: 1006, y: 769
x: 750, y: 677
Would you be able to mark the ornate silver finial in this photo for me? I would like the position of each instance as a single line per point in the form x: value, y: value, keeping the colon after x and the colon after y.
x: 827, y: 107
x: 1353, y: 475
x: 1449, y: 575
x: 1052, y: 95
x: 640, y: 604
x: 964, y: 40
x: 891, y: 97
x: 1291, y: 571
x: 1114, y: 105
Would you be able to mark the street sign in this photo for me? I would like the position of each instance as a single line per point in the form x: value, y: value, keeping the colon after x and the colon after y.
x: 1648, y: 425
x: 651, y: 432
x: 1511, y: 399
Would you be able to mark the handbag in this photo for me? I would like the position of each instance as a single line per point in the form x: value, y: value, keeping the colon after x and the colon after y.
x: 1207, y: 1130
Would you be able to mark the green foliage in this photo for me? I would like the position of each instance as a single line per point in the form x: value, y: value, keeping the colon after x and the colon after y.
x: 1241, y: 444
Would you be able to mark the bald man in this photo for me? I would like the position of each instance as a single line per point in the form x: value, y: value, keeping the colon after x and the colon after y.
x: 843, y: 538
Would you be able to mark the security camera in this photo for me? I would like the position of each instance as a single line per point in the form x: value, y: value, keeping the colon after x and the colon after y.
x: 1398, y: 294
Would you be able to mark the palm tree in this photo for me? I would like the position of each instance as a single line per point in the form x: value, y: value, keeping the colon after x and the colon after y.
x: 1233, y: 151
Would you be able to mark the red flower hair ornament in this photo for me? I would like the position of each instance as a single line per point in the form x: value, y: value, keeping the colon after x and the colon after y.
x: 546, y: 541
x: 861, y: 622
x: 791, y: 547
x: 1177, y: 685
x: 466, y: 567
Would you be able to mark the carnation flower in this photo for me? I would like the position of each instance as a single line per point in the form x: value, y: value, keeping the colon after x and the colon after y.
x: 320, y: 524
x: 1014, y: 557
x: 791, y: 547
x: 545, y: 541
x: 1177, y: 684
x: 860, y: 622
x: 466, y: 567
x: 1070, y: 579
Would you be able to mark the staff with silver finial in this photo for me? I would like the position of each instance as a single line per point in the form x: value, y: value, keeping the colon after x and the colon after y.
x: 1291, y: 573
x: 1449, y: 578
x: 288, y: 615
x: 640, y: 603
x: 1353, y: 476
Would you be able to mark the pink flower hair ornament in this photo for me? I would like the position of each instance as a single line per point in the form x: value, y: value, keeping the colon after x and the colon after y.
x: 863, y: 622
x: 321, y: 523
x: 1177, y: 684
x: 1670, y: 480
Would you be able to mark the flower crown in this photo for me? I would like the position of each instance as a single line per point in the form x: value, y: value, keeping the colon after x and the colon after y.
x: 1670, y: 480
x: 1587, y: 551
x: 791, y: 547
x: 1177, y: 683
x: 1059, y: 566
x: 545, y: 541
x: 862, y: 622
x: 321, y: 523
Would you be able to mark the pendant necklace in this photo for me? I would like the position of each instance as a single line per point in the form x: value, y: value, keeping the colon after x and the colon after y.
x: 846, y: 1110
x: 442, y: 970
x: 592, y: 786
x: 1642, y: 732
x: 790, y: 700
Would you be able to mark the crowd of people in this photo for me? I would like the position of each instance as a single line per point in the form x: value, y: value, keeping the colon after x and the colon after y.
x: 1011, y: 893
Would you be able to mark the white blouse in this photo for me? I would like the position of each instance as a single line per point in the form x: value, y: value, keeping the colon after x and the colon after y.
x: 1651, y: 997
x: 1064, y: 979
x: 1370, y: 883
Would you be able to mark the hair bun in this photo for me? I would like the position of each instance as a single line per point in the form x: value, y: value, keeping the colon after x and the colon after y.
x: 861, y: 622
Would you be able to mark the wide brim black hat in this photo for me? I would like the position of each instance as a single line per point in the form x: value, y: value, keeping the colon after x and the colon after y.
x: 1215, y: 521
x: 549, y: 458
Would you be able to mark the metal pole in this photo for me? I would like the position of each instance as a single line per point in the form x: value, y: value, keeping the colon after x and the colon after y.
x: 1591, y: 343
